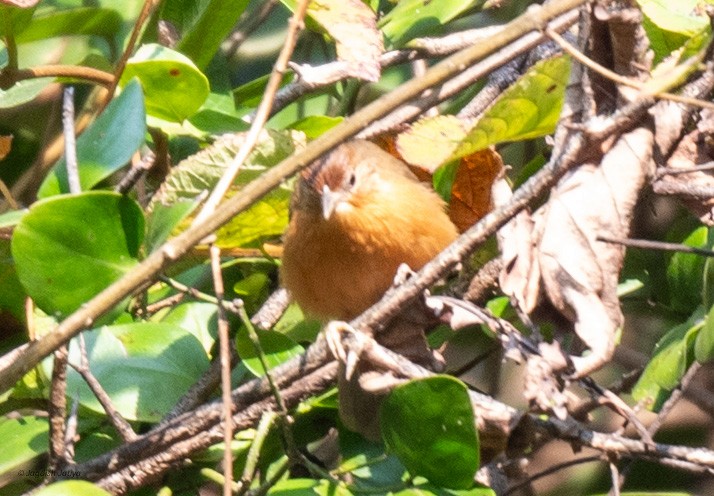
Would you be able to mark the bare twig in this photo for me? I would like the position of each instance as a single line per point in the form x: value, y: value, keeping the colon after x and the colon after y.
x: 70, y: 146
x: 657, y: 245
x: 675, y: 171
x: 552, y: 470
x: 135, y: 172
x: 225, y: 354
x: 57, y: 410
x: 251, y: 462
x: 144, y: 15
x: 625, y: 81
x: 121, y: 425
x: 248, y: 22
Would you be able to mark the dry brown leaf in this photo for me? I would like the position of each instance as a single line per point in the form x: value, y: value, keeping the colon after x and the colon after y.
x: 696, y: 148
x: 353, y: 26
x: 471, y: 190
x: 520, y: 277
x: 5, y: 145
x: 579, y: 273
x: 556, y: 252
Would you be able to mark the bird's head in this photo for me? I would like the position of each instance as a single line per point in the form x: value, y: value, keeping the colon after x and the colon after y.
x: 341, y: 181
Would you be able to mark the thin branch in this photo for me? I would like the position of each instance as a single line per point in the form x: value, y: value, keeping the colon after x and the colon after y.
x: 57, y: 410
x: 550, y: 471
x: 225, y: 354
x: 647, y: 244
x: 248, y: 22
x: 135, y: 173
x: 144, y: 16
x: 82, y: 73
x: 295, y: 25
x: 675, y: 171
x: 70, y: 145
x: 251, y: 462
x: 613, y: 76
x: 121, y: 425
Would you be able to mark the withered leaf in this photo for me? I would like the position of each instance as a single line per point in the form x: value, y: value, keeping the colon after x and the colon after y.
x: 353, y: 26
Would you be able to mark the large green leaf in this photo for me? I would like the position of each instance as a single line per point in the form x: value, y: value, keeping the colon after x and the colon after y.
x: 174, y: 87
x: 429, y: 424
x: 106, y: 146
x: 72, y: 22
x: 413, y: 18
x: 528, y: 109
x: 199, y: 173
x: 197, y: 317
x: 278, y: 348
x: 69, y: 248
x: 22, y: 92
x: 669, y: 25
x: 671, y: 358
x: 23, y: 438
x: 12, y: 294
x: 704, y: 344
x: 204, y: 25
x: 684, y: 273
x: 144, y: 367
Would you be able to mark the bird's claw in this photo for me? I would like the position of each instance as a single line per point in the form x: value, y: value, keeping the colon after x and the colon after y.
x: 334, y: 334
x: 404, y: 273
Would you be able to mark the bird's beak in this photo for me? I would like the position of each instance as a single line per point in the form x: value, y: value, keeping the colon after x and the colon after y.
x: 330, y: 200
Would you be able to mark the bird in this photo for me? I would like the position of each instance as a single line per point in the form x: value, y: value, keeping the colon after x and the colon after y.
x: 356, y: 216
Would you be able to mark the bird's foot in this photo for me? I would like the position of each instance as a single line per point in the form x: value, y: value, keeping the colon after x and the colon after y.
x: 337, y: 334
x: 404, y: 273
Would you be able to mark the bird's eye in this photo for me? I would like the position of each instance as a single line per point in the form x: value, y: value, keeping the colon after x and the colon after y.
x: 352, y: 179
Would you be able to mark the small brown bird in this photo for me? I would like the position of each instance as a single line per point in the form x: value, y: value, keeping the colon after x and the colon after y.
x: 356, y: 215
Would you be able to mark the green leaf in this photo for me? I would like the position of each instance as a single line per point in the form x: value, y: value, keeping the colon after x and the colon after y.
x: 204, y: 25
x: 278, y: 348
x: 669, y: 25
x: 414, y: 18
x: 69, y: 248
x: 429, y: 489
x: 174, y: 87
x: 72, y: 22
x: 12, y: 217
x: 671, y: 358
x: 79, y: 487
x: 163, y: 219
x: 199, y: 318
x: 528, y: 109
x: 23, y: 438
x: 106, y: 146
x: 315, y: 125
x: 429, y: 424
x: 265, y: 219
x: 22, y: 92
x: 704, y: 344
x: 308, y: 487
x: 144, y: 367
x: 684, y: 273
x: 12, y: 294
x: 17, y: 18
